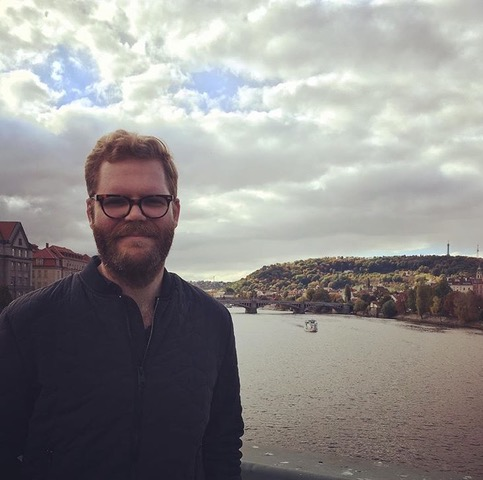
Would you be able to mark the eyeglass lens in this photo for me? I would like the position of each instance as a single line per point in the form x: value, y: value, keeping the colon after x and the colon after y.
x: 119, y: 207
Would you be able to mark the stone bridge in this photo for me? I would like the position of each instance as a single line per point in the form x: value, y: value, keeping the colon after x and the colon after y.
x: 251, y: 305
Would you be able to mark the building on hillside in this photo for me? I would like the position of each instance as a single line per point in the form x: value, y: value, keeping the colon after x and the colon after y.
x: 15, y: 258
x: 53, y: 263
x: 465, y: 285
x: 478, y: 284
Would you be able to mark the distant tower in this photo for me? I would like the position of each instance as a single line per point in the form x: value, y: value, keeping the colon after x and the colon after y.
x: 447, y: 251
x: 479, y: 271
x: 479, y: 274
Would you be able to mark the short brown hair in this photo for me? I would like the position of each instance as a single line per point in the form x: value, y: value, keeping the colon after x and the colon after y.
x: 120, y: 145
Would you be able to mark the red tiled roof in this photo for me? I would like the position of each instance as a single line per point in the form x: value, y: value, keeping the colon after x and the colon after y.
x: 54, y: 251
x: 43, y: 253
x: 6, y: 229
x: 64, y: 252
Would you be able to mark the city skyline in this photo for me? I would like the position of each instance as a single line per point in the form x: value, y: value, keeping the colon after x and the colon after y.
x: 301, y: 129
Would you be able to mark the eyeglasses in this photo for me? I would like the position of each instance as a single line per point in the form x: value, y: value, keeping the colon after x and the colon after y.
x: 119, y: 206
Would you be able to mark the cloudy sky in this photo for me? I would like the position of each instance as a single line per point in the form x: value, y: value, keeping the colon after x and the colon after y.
x: 301, y: 128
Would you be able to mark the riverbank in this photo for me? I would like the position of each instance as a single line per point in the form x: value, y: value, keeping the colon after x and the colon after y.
x: 444, y: 322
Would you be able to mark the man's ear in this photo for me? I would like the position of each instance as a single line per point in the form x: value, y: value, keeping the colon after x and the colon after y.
x: 90, y: 211
x: 176, y: 210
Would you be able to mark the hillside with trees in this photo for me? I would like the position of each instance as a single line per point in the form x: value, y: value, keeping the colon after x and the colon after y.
x: 336, y: 272
x: 386, y: 286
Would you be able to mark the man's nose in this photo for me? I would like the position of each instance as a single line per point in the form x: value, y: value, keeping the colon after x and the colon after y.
x: 135, y: 213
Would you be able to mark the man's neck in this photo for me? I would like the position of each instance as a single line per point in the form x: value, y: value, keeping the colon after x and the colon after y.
x: 145, y: 297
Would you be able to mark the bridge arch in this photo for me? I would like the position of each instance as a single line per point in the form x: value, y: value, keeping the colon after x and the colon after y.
x: 251, y: 305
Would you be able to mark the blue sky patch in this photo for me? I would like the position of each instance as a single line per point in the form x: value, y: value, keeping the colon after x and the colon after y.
x: 217, y: 83
x: 74, y: 72
x: 220, y: 85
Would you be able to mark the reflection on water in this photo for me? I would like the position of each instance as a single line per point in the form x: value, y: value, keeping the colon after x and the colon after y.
x: 370, y: 388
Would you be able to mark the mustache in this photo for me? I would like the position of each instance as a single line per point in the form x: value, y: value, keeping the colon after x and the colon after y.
x: 135, y: 228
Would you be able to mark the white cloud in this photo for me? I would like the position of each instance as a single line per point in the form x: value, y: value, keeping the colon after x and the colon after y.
x: 15, y: 204
x: 24, y: 95
x: 314, y: 128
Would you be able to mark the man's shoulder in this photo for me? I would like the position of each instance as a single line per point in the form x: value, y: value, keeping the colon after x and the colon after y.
x: 196, y: 294
x: 41, y: 299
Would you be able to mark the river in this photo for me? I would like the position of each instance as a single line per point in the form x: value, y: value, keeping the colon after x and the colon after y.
x: 374, y: 389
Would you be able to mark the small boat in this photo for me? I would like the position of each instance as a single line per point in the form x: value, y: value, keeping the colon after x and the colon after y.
x: 311, y: 325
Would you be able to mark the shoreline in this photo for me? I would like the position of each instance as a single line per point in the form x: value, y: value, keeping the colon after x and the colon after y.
x: 443, y: 322
x: 439, y: 321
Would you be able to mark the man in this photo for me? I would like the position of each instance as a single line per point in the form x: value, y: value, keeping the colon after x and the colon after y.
x: 124, y: 371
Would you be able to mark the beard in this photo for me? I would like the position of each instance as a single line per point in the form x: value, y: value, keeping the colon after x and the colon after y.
x: 136, y: 270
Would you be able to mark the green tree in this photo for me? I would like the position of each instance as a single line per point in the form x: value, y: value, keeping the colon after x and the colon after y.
x: 448, y: 305
x: 389, y: 309
x: 401, y: 300
x: 442, y: 287
x: 466, y: 307
x: 309, y: 294
x: 423, y: 269
x: 368, y: 298
x: 360, y: 306
x: 411, y: 300
x: 424, y: 296
x: 384, y: 299
x: 321, y: 295
x: 347, y: 293
x: 5, y: 296
x: 436, y: 305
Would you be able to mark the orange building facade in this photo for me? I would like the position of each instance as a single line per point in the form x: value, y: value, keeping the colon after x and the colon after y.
x: 53, y: 263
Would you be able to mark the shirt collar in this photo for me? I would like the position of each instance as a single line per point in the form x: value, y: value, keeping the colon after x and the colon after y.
x: 101, y: 284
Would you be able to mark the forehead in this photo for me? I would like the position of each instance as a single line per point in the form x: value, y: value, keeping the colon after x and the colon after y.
x: 132, y: 176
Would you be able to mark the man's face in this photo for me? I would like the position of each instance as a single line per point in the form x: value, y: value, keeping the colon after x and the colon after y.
x: 133, y: 249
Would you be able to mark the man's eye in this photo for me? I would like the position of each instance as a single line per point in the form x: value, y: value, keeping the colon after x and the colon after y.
x: 154, y: 201
x: 115, y: 202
